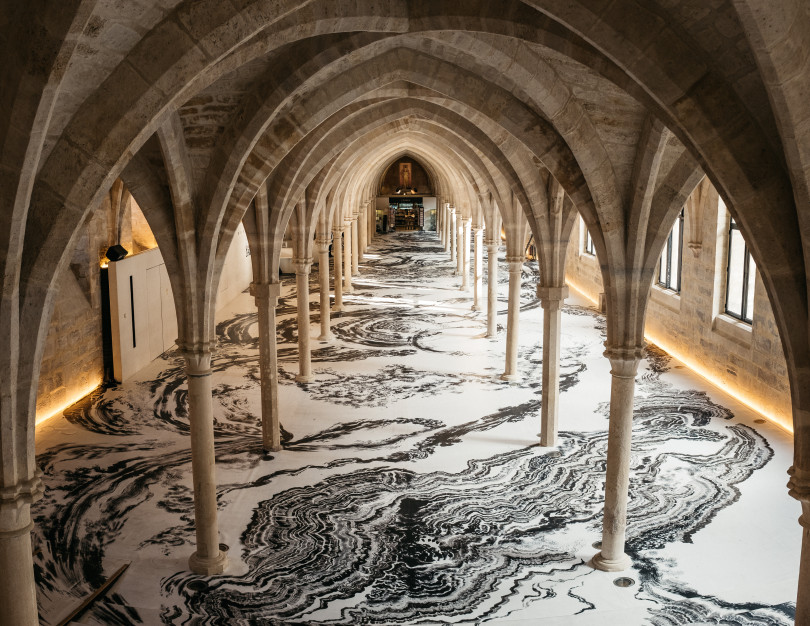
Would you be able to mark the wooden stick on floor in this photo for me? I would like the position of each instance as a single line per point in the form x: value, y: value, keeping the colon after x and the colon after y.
x: 88, y: 602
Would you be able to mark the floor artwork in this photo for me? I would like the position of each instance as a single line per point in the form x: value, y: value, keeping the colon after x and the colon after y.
x: 412, y: 488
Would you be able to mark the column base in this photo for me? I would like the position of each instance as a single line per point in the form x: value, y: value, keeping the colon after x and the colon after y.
x: 475, y: 307
x: 348, y: 290
x: 611, y: 565
x: 303, y: 379
x: 208, y: 566
x: 547, y: 442
x: 277, y: 448
x: 510, y: 378
x: 326, y: 337
x: 337, y: 308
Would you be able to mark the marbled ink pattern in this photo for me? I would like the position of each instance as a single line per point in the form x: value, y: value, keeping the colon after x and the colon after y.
x: 411, y: 488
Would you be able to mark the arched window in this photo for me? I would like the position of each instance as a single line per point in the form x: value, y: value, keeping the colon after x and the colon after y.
x: 669, y: 267
x: 740, y: 276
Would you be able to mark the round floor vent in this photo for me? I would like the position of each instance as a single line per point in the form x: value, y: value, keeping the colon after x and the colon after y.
x: 624, y: 581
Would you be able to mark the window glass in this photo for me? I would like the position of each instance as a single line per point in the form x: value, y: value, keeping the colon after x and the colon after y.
x: 669, y: 266
x: 587, y: 242
x: 740, y: 276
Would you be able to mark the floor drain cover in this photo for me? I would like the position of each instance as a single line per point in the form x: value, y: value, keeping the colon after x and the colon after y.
x: 624, y: 581
x: 223, y: 547
x: 597, y: 545
x: 760, y: 421
x: 197, y: 585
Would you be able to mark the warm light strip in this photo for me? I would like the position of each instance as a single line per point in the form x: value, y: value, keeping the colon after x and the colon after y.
x: 87, y: 391
x: 581, y: 292
x: 701, y: 371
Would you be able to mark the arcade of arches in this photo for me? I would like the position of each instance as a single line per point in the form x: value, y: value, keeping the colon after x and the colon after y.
x: 161, y: 157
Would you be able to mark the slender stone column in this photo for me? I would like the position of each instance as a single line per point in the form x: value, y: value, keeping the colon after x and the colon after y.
x: 492, y: 289
x: 513, y: 318
x: 446, y: 227
x: 551, y: 299
x: 478, y: 267
x: 624, y: 365
x: 355, y: 247
x: 18, y: 591
x: 266, y: 297
x: 347, y: 257
x: 799, y: 488
x: 302, y: 269
x: 453, y: 236
x: 362, y: 234
x: 337, y: 254
x: 323, y: 277
x: 465, y: 267
x: 208, y: 559
x: 460, y: 246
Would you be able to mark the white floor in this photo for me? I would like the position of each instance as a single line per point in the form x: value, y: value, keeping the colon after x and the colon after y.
x: 411, y: 488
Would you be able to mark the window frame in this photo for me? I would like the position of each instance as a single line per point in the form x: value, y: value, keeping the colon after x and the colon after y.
x: 745, y: 315
x: 587, y: 241
x: 667, y: 284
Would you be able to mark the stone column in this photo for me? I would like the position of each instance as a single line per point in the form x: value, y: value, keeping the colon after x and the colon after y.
x: 355, y: 248
x: 266, y: 297
x: 551, y: 299
x: 302, y: 269
x: 460, y: 246
x: 18, y: 591
x: 513, y: 317
x: 799, y: 488
x: 323, y: 276
x: 492, y: 289
x: 624, y: 365
x: 478, y: 266
x: 347, y: 257
x: 362, y: 234
x: 337, y: 254
x: 208, y: 559
x: 453, y: 238
x: 465, y: 253
x: 445, y: 227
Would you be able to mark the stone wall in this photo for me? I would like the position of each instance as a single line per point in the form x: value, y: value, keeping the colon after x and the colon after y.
x: 744, y: 359
x: 72, y: 363
x: 582, y: 269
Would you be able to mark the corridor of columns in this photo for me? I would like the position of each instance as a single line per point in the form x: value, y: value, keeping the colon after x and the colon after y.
x: 411, y: 486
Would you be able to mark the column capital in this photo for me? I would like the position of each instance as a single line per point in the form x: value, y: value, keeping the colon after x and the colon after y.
x: 799, y: 485
x: 322, y: 244
x: 262, y: 291
x: 624, y: 360
x: 466, y: 220
x: 15, y: 500
x: 197, y: 355
x: 515, y: 263
x: 302, y: 265
x: 477, y: 228
x: 549, y: 295
x: 492, y: 245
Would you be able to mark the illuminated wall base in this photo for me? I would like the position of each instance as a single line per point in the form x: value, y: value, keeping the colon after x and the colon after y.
x: 50, y: 412
x: 751, y: 402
